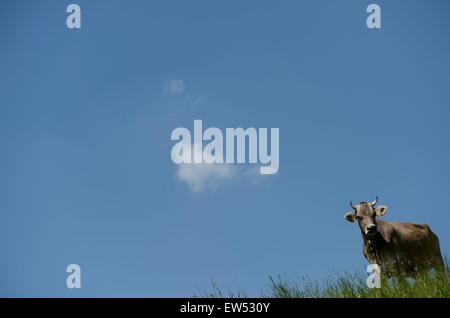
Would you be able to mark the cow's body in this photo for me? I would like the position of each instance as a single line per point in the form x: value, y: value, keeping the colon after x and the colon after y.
x: 399, y: 248
x: 403, y: 248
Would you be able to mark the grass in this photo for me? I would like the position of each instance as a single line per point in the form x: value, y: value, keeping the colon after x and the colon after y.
x: 348, y: 285
x: 435, y: 285
x: 216, y: 292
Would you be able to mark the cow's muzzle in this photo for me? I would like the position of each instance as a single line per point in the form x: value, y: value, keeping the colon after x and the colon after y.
x: 371, y: 229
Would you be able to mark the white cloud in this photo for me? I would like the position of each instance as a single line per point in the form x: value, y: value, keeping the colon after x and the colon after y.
x: 203, y: 175
x: 174, y: 87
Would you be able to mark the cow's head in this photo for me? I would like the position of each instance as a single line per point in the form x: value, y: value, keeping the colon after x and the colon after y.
x: 365, y: 213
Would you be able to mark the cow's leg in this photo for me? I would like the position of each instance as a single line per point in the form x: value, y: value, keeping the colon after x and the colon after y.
x: 439, y: 264
x: 438, y: 261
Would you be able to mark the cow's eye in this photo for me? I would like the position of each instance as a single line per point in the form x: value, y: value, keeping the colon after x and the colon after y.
x: 359, y: 217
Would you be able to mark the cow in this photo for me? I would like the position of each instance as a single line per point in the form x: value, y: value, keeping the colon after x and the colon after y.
x: 400, y: 249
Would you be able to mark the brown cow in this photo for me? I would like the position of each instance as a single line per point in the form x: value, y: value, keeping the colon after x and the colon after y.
x: 399, y: 248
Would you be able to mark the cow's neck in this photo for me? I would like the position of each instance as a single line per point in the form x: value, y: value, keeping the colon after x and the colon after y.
x: 372, y: 246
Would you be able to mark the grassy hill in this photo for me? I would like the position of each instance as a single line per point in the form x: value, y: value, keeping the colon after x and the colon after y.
x: 436, y: 285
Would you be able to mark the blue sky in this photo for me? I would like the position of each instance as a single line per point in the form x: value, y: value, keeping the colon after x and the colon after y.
x: 86, y: 117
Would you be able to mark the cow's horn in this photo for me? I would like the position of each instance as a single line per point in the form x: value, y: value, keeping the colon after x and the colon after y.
x: 374, y: 202
x: 351, y: 204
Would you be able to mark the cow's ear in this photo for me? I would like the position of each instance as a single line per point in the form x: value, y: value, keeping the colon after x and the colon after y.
x: 381, y: 210
x: 350, y: 216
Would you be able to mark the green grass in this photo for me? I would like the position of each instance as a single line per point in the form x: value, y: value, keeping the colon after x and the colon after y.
x: 348, y: 285
x: 435, y: 285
